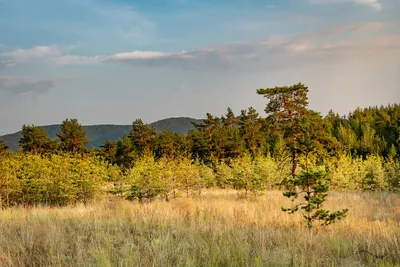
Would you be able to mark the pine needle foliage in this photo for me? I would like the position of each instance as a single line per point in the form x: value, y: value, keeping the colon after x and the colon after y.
x: 312, y: 183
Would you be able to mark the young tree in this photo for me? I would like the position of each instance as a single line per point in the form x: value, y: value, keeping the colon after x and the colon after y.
x: 246, y: 177
x: 72, y: 136
x: 312, y: 183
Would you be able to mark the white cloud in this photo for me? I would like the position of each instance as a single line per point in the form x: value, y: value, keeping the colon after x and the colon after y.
x: 320, y: 46
x: 138, y: 55
x: 329, y: 44
x: 35, y: 52
x: 375, y: 4
x: 84, y: 60
x: 372, y: 3
x: 25, y: 55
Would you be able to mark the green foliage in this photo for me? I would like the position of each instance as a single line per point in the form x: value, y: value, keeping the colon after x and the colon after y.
x: 207, y: 176
x: 347, y: 173
x: 144, y: 179
x: 246, y: 177
x: 246, y: 152
x: 72, y: 136
x: 141, y: 137
x: 98, y: 134
x: 28, y: 179
x: 374, y: 174
x: 311, y: 182
x: 3, y: 147
x: 224, y: 175
x: 271, y: 173
x: 392, y: 174
x: 285, y: 107
x: 188, y: 177
x: 35, y: 140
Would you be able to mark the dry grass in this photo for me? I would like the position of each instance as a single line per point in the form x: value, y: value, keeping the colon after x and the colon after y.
x: 215, y: 230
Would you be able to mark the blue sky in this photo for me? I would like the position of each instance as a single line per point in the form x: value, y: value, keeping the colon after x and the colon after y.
x: 104, y: 61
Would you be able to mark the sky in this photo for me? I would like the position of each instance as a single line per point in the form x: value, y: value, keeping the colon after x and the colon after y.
x: 111, y: 62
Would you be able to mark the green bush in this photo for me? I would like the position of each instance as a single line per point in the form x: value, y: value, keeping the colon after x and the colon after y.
x: 27, y: 179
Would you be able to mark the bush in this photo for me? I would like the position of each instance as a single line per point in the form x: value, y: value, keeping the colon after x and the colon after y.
x: 347, y: 173
x: 246, y: 177
x: 373, y: 174
x: 50, y: 180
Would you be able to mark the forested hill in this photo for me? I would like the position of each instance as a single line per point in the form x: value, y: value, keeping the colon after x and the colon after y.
x: 98, y: 134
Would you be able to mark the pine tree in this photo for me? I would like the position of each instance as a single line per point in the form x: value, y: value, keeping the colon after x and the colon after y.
x: 286, y: 105
x: 108, y: 150
x: 72, y: 136
x: 310, y: 182
x: 35, y: 140
x: 200, y: 145
x: 250, y: 126
x: 229, y: 120
x: 3, y: 147
x: 124, y: 154
x: 142, y: 137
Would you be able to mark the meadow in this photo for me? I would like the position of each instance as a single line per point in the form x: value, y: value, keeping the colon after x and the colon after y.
x: 215, y: 229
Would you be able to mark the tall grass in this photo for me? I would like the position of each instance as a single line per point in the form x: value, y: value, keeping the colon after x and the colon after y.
x: 217, y: 229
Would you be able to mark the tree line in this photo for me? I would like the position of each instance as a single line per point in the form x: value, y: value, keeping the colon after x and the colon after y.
x: 364, y: 132
x: 292, y: 147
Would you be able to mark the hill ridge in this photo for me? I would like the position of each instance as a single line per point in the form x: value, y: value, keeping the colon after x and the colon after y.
x: 97, y: 134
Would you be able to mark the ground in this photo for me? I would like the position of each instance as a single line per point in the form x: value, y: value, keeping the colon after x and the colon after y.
x: 217, y: 229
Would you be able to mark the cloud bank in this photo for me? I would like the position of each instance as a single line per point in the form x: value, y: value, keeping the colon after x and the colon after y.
x: 340, y: 43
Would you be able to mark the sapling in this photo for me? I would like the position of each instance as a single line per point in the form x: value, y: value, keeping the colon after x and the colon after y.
x: 313, y: 185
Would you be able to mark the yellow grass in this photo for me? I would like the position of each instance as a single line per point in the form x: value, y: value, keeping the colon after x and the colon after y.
x: 217, y: 229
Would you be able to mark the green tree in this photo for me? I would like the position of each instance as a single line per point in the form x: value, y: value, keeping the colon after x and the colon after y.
x: 229, y: 120
x: 169, y: 144
x: 146, y: 181
x: 200, y: 145
x: 142, y: 137
x: 286, y: 105
x: 392, y: 171
x: 35, y: 140
x: 246, y: 177
x: 229, y: 134
x: 374, y: 174
x: 250, y: 125
x: 310, y: 182
x: 233, y: 143
x: 72, y: 136
x: 109, y: 150
x: 124, y: 155
x: 3, y: 147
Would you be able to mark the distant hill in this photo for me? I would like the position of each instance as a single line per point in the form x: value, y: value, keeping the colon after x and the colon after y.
x: 98, y: 134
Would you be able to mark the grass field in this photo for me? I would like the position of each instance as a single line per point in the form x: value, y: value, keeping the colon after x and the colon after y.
x: 217, y: 229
